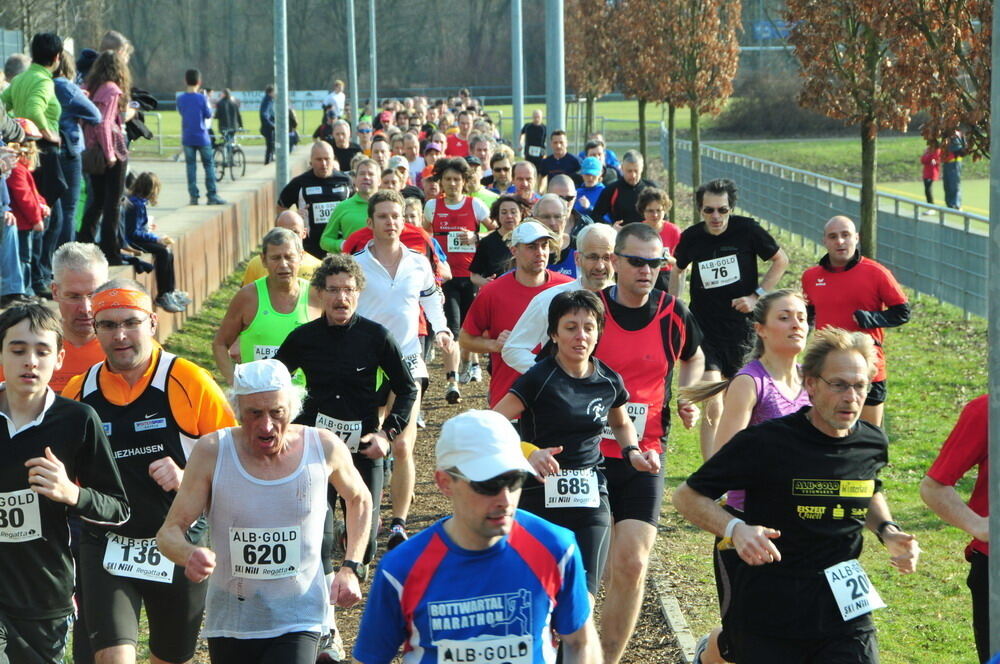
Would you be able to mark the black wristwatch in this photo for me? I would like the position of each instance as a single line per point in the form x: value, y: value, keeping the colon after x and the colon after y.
x: 627, y: 453
x: 352, y: 565
x: 390, y: 433
x: 882, y: 526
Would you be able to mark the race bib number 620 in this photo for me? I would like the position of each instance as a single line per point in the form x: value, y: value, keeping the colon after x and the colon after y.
x: 265, y: 553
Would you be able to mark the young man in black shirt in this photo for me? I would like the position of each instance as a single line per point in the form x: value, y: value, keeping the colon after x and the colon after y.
x: 56, y: 461
x: 723, y: 251
x: 316, y: 193
x: 811, y: 481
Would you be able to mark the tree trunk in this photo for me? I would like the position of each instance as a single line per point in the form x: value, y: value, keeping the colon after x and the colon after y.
x: 671, y: 160
x: 591, y: 103
x: 869, y: 207
x: 642, y: 127
x: 695, y: 157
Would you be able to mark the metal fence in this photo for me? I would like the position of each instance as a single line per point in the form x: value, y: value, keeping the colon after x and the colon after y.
x: 931, y: 249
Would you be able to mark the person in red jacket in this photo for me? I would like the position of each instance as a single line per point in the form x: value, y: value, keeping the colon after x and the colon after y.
x: 28, y: 206
x: 857, y: 294
x: 931, y: 159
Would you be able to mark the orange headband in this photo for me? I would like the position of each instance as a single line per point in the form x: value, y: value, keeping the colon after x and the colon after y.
x: 120, y: 298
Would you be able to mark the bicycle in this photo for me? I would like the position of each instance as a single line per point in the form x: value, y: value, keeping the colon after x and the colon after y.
x: 229, y: 154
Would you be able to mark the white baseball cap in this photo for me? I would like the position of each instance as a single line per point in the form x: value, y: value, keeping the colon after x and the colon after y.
x: 529, y: 231
x: 481, y: 444
x: 260, y: 376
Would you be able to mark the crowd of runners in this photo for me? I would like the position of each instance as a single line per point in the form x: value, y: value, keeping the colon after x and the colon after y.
x: 245, y: 515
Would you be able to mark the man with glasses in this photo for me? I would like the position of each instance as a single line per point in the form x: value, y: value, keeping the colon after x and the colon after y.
x: 489, y: 582
x: 397, y: 283
x: 852, y: 292
x: 501, y: 302
x: 812, y: 485
x: 564, y: 187
x: 594, y: 247
x: 499, y: 181
x: 722, y: 252
x: 553, y: 212
x: 153, y: 405
x: 647, y: 332
x: 78, y: 269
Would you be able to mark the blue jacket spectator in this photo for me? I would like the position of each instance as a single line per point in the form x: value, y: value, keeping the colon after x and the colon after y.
x: 76, y: 108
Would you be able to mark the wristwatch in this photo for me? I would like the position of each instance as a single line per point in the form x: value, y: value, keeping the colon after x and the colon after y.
x: 352, y: 565
x: 390, y: 433
x: 627, y: 453
x: 760, y: 292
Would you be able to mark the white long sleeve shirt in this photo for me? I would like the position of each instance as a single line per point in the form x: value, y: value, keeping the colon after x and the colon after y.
x: 530, y: 331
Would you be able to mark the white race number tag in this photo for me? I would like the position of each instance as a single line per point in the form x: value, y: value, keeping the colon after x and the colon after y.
x: 457, y: 243
x: 535, y: 150
x: 637, y: 413
x: 572, y: 488
x: 20, y: 519
x: 264, y: 352
x: 852, y: 589
x: 349, y: 431
x: 137, y: 558
x: 504, y: 650
x: 719, y: 271
x: 265, y: 553
x: 321, y: 212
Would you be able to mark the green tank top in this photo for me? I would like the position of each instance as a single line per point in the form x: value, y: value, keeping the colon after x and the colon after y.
x: 269, y: 328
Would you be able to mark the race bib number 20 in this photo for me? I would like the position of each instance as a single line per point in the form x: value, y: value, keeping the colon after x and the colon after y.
x: 852, y: 589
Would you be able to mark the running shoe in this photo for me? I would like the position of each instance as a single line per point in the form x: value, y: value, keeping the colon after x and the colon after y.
x: 451, y: 393
x: 396, y: 537
x: 331, y: 650
x: 700, y: 649
x: 475, y: 374
x: 421, y: 422
x: 465, y: 377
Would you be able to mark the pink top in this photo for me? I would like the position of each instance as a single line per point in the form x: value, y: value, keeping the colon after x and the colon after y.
x: 108, y: 134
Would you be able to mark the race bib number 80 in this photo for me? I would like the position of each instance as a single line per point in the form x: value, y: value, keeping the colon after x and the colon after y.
x: 265, y: 553
x: 20, y: 519
x: 719, y: 271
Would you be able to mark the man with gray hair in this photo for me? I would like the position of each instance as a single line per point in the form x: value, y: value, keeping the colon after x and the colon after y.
x: 262, y: 313
x: 317, y: 193
x: 263, y: 488
x: 15, y: 64
x: 553, y: 212
x: 616, y: 204
x: 293, y: 221
x: 78, y: 269
x: 594, y: 248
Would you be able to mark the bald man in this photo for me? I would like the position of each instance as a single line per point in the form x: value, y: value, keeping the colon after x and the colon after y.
x: 316, y: 194
x: 293, y: 221
x: 855, y: 293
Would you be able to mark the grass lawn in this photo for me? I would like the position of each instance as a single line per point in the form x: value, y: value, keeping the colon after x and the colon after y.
x: 898, y: 157
x: 975, y: 193
x: 170, y: 128
x: 935, y: 367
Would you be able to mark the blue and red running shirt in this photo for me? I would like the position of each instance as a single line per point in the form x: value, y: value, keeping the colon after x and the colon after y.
x: 500, y: 604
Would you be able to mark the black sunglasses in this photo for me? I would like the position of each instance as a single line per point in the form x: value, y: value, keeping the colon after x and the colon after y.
x: 711, y: 210
x: 511, y: 481
x: 639, y: 261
